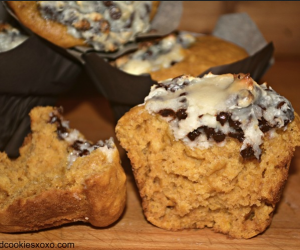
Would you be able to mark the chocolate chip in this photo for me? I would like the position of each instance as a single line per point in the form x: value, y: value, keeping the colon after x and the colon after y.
x: 194, y: 134
x: 222, y: 117
x: 233, y: 124
x: 263, y: 108
x: 279, y: 105
x: 247, y: 153
x: 114, y: 12
x: 182, y: 94
x: 218, y: 136
x: 181, y: 114
x: 77, y: 144
x: 84, y: 152
x: 286, y: 122
x: 264, y: 126
x: 208, y: 131
x: 239, y: 135
x: 167, y: 112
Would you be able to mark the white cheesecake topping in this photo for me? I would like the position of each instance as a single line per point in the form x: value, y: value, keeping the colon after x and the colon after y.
x: 203, y: 111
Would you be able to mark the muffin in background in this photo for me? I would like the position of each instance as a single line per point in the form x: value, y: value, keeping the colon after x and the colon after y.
x: 179, y: 53
x: 103, y: 25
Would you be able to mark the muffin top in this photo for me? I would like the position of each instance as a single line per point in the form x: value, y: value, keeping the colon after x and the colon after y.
x: 203, y: 111
x: 105, y: 25
x: 155, y: 55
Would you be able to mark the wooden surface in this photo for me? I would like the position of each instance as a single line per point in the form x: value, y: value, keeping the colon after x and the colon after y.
x: 278, y: 21
x: 91, y: 114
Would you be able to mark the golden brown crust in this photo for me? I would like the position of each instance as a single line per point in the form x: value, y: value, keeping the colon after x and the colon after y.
x: 40, y: 190
x: 27, y: 12
x: 184, y: 188
x: 206, y: 52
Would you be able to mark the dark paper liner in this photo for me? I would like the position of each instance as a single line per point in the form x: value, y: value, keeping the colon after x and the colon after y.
x: 121, y: 89
x: 32, y: 74
x: 15, y: 121
x: 35, y: 68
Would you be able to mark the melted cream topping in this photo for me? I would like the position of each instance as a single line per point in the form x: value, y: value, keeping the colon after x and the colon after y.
x: 193, y: 106
x: 80, y: 146
x: 105, y: 25
x: 10, y: 37
x: 162, y: 54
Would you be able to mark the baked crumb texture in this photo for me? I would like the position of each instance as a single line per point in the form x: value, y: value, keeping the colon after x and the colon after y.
x: 60, y: 178
x: 183, y: 188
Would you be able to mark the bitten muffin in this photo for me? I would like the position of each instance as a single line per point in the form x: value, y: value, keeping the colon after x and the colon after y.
x: 60, y: 178
x: 211, y: 152
x: 104, y: 25
x: 10, y: 37
x: 179, y: 54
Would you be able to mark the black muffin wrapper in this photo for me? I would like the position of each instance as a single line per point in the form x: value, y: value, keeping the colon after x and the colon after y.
x: 36, y: 67
x: 125, y: 90
x: 32, y: 74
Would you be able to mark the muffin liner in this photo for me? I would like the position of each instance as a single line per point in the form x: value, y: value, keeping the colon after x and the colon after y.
x: 125, y: 91
x: 32, y: 74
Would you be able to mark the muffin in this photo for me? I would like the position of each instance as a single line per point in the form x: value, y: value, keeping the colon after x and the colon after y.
x: 10, y: 37
x: 211, y: 152
x: 104, y: 25
x: 178, y: 54
x: 59, y: 178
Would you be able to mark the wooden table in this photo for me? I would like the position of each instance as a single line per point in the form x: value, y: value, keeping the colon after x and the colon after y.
x: 91, y: 114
